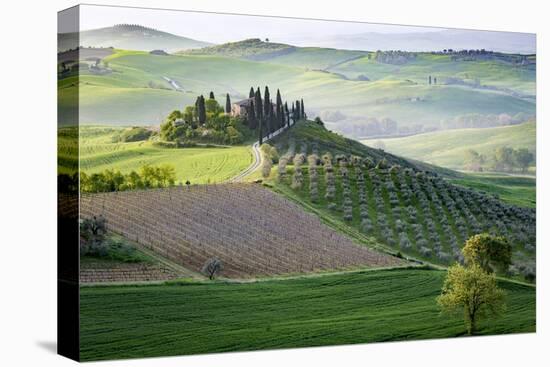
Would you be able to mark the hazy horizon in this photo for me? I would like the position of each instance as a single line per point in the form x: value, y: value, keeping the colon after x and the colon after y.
x: 303, y: 32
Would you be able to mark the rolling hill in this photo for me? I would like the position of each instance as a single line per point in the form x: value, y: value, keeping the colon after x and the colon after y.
x: 125, y: 95
x: 130, y: 37
x: 407, y: 207
x: 279, y: 53
x: 447, y: 148
x: 100, y: 150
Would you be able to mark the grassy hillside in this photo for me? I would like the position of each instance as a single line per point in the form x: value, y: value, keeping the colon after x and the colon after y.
x: 124, y: 96
x: 279, y: 53
x: 98, y: 151
x: 520, y: 191
x: 519, y: 78
x: 420, y: 214
x: 312, y: 134
x: 447, y: 148
x: 372, y: 306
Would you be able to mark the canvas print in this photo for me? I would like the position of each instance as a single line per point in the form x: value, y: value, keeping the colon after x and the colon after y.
x: 235, y: 183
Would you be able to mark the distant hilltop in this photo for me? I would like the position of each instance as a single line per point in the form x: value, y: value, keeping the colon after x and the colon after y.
x: 129, y: 37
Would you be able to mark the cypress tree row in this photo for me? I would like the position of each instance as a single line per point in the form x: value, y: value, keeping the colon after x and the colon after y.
x: 227, y: 103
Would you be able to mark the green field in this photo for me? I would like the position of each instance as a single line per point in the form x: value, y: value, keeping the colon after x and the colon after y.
x: 488, y: 72
x: 372, y: 306
x: 98, y: 152
x: 447, y: 148
x: 123, y: 96
x: 521, y: 191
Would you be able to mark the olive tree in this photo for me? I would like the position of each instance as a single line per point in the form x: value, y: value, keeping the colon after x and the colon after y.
x: 212, y: 267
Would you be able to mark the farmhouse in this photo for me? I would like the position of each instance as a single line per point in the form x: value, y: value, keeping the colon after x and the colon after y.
x: 242, y: 108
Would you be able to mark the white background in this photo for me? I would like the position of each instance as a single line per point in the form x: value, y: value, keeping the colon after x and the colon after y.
x: 28, y: 184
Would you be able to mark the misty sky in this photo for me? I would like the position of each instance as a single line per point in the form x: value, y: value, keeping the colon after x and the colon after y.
x: 221, y: 28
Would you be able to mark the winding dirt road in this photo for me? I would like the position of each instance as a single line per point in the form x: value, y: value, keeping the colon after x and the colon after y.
x: 257, y: 155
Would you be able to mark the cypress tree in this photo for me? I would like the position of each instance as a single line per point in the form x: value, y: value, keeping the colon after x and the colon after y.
x: 287, y: 115
x: 202, y: 110
x: 227, y: 103
x: 302, y: 110
x: 267, y: 116
x: 251, y: 93
x: 211, y: 95
x: 196, y: 113
x: 260, y: 131
x: 252, y: 116
x: 279, y: 102
x: 267, y: 103
x: 293, y: 115
x: 272, y: 118
x: 258, y: 103
x: 298, y: 110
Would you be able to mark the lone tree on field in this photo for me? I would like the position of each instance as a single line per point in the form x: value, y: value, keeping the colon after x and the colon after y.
x: 211, y: 95
x: 472, y: 292
x: 491, y: 253
x: 212, y: 267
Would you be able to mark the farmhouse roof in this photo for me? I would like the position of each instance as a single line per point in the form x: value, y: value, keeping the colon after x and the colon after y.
x: 245, y: 102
